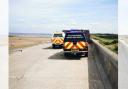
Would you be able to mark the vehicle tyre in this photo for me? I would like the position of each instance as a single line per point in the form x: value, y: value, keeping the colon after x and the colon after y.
x: 61, y: 46
x: 85, y: 54
x: 53, y: 46
x: 66, y: 54
x: 79, y: 55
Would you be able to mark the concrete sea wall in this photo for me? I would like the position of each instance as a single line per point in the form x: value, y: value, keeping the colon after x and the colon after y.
x: 109, y: 61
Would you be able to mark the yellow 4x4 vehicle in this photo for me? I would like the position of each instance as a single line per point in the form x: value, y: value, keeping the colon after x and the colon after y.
x: 57, y: 40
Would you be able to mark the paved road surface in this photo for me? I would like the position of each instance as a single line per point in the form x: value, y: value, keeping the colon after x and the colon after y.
x: 41, y: 67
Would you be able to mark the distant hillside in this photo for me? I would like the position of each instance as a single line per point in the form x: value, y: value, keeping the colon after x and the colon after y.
x: 30, y: 34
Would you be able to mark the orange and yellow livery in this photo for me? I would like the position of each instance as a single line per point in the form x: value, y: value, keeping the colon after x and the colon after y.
x: 57, y: 40
x: 78, y: 45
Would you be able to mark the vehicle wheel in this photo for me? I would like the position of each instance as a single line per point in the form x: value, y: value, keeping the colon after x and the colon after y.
x: 66, y: 54
x: 53, y: 46
x: 61, y: 46
x: 85, y: 54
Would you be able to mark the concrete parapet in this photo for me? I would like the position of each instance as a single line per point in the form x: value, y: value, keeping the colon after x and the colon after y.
x: 109, y: 61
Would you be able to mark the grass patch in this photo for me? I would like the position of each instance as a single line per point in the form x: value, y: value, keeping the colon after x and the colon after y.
x: 108, y: 40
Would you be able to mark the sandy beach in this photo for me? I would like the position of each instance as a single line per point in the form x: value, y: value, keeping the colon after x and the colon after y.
x: 22, y: 42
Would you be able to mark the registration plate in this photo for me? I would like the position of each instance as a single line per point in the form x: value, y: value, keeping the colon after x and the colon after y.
x: 74, y: 50
x: 57, y: 43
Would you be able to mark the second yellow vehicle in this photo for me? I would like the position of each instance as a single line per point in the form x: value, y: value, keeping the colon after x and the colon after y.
x: 57, y: 40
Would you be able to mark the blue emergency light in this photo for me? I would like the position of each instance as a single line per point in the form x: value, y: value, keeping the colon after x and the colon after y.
x: 72, y: 31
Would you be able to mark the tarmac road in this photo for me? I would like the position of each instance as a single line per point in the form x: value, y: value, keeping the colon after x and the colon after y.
x: 41, y: 67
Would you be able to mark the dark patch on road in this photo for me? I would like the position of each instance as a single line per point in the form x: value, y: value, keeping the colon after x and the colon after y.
x: 50, y: 47
x: 60, y: 55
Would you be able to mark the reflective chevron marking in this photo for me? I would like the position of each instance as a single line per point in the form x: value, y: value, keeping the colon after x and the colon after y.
x: 79, y: 45
x: 67, y: 45
x: 57, y: 40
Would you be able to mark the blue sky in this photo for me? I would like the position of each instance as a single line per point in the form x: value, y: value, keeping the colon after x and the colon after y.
x: 48, y: 16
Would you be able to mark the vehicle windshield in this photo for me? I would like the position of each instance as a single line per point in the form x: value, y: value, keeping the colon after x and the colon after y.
x: 75, y: 37
x: 58, y: 35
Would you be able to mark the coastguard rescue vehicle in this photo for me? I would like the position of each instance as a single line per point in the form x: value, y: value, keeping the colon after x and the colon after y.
x: 85, y: 32
x: 75, y: 42
x: 57, y: 40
